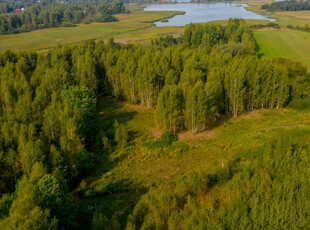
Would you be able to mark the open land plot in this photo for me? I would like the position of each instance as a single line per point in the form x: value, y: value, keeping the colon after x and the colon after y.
x: 287, y: 44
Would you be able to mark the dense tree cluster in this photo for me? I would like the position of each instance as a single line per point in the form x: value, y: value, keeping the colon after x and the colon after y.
x: 49, y: 139
x: 212, y: 71
x: 8, y: 6
x: 256, y: 195
x: 245, y: 83
x: 48, y: 118
x: 292, y: 5
x: 39, y: 16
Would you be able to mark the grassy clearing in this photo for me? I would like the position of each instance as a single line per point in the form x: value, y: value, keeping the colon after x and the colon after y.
x: 287, y: 44
x: 130, y: 173
x: 127, y: 26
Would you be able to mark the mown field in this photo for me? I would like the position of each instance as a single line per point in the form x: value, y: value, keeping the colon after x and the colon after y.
x: 287, y: 44
x: 126, y: 175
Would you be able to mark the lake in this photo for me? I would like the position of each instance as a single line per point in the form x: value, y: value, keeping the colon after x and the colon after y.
x: 203, y: 12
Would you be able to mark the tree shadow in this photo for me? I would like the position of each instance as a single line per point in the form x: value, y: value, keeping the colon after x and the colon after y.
x: 219, y: 121
x: 119, y: 196
x: 117, y: 199
x: 110, y: 110
x: 259, y: 53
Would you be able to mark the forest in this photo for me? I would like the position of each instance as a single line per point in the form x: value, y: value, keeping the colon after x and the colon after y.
x: 39, y: 16
x: 49, y: 137
x: 287, y: 6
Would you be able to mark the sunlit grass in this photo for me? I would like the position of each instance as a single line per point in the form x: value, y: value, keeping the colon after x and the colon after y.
x: 287, y: 44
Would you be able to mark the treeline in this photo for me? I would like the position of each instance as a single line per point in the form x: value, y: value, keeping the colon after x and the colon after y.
x: 49, y: 138
x: 237, y: 85
x: 287, y: 6
x: 48, y: 133
x: 191, y: 87
x: 39, y: 16
x: 8, y: 6
x: 305, y: 28
x: 211, y: 1
x: 269, y: 192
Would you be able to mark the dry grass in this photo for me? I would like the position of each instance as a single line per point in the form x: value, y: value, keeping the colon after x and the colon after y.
x: 305, y: 15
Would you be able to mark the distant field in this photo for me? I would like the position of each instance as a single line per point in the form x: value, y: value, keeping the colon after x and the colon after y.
x: 287, y: 44
x: 284, y: 18
x: 131, y: 28
x: 298, y: 14
x: 124, y: 30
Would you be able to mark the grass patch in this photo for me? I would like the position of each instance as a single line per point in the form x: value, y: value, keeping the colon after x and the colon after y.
x: 287, y: 44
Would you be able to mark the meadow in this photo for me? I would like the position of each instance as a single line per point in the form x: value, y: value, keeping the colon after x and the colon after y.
x: 127, y: 175
x: 122, y: 30
x: 305, y: 15
x: 287, y: 44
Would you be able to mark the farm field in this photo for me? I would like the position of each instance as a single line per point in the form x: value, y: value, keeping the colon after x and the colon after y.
x: 287, y: 44
x: 245, y: 137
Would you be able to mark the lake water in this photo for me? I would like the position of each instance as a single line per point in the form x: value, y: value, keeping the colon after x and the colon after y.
x: 203, y: 12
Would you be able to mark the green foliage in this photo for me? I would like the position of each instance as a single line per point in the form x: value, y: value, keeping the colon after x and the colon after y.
x: 52, y: 194
x: 5, y: 205
x: 50, y: 136
x: 287, y: 6
x: 121, y: 135
x: 84, y: 100
x: 259, y: 194
x: 166, y: 140
x: 170, y: 107
x: 101, y: 222
x: 26, y: 212
x: 40, y: 16
x: 209, y: 35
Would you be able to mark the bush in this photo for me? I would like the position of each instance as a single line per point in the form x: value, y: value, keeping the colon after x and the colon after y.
x: 166, y: 140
